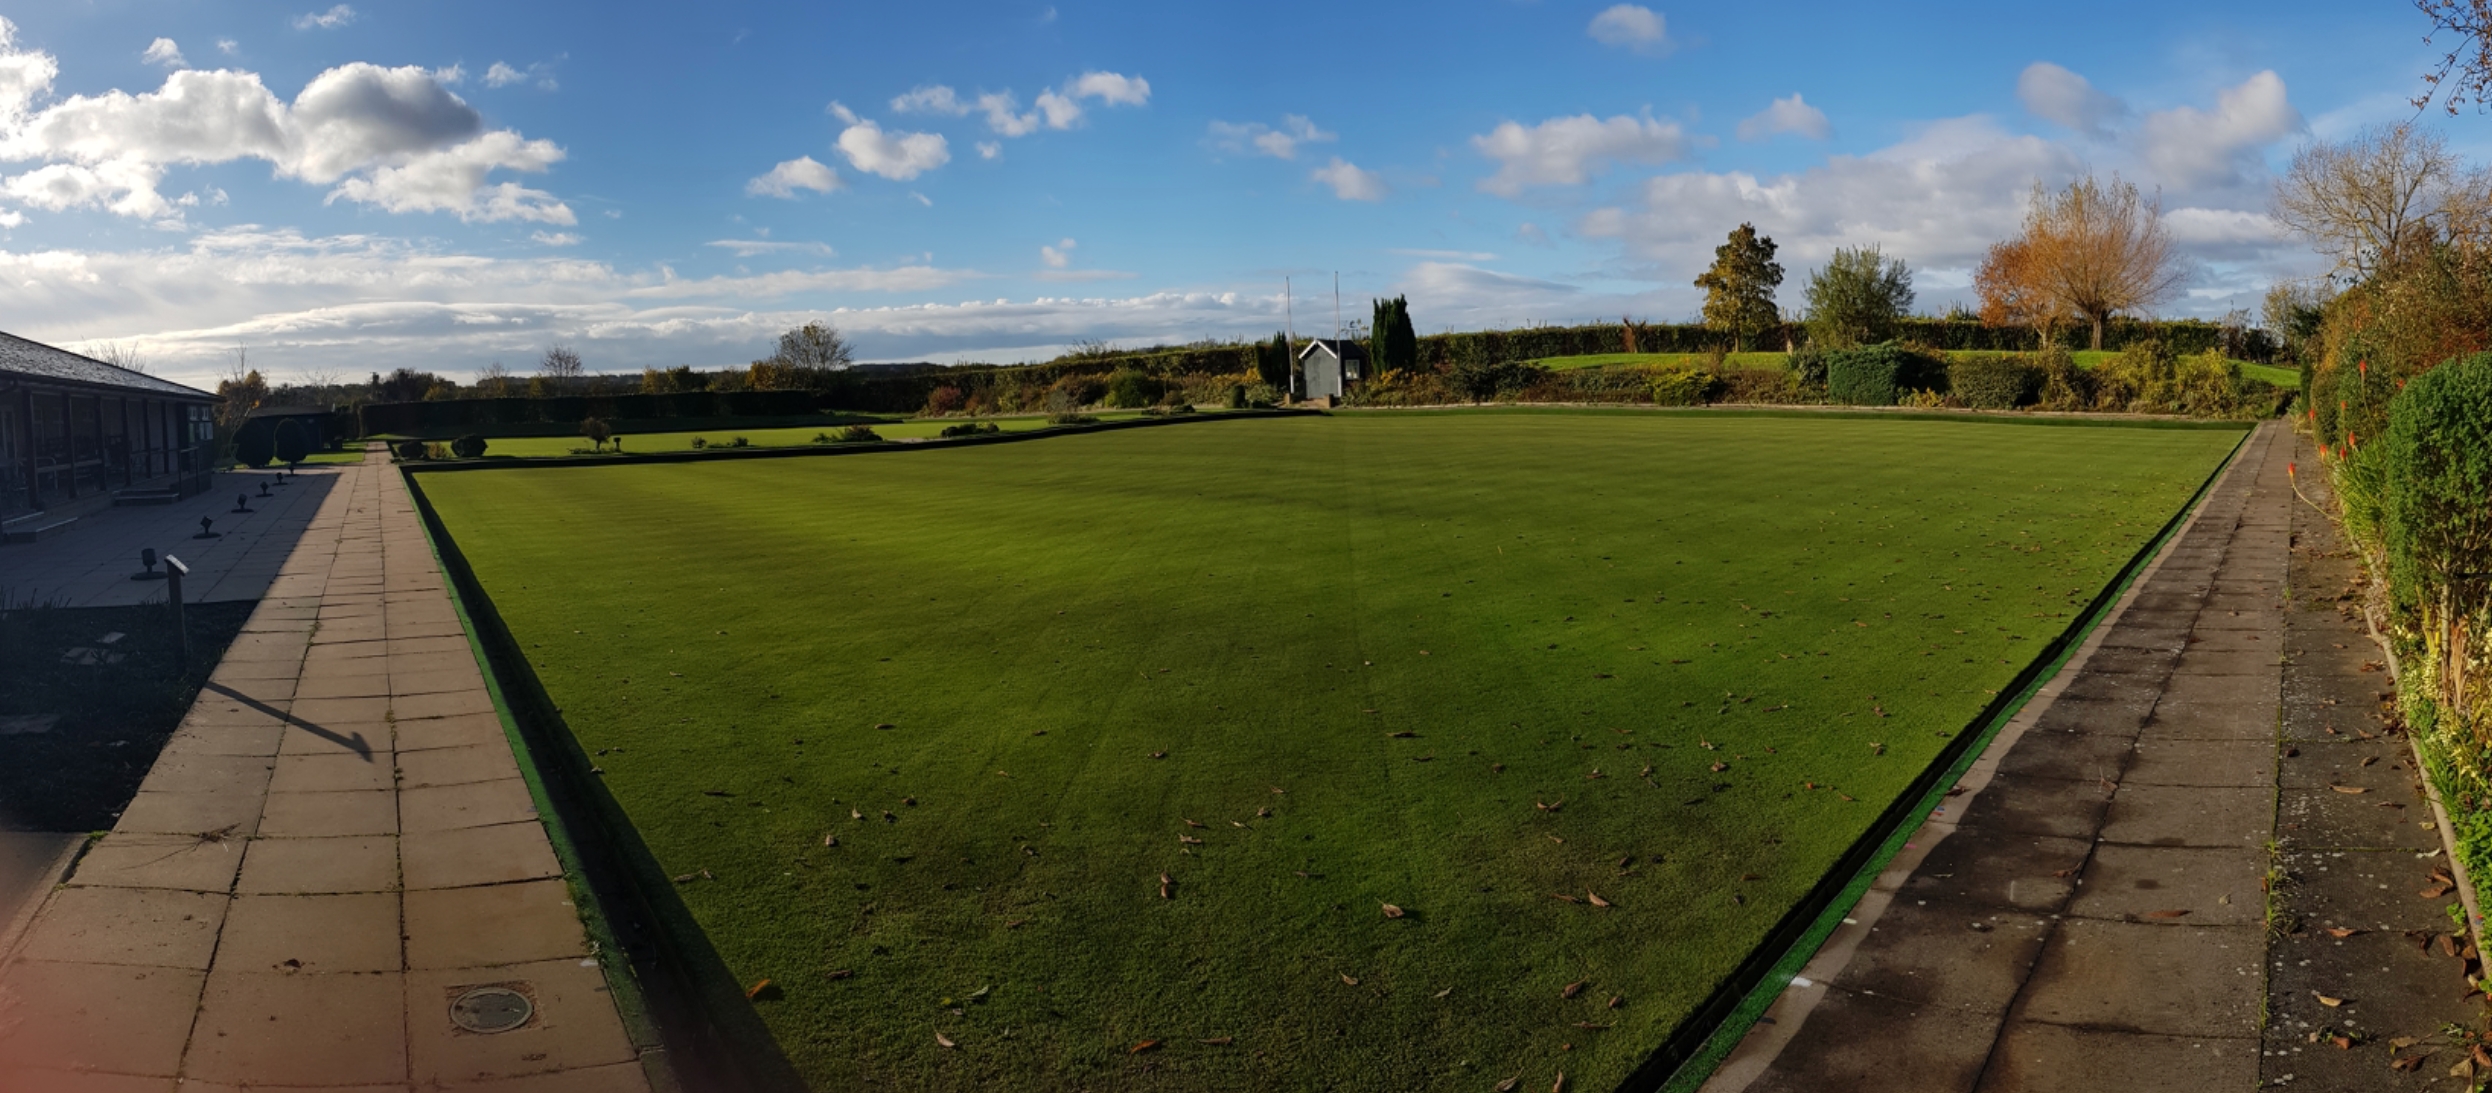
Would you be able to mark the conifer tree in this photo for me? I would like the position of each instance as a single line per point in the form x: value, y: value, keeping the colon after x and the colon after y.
x: 1739, y: 289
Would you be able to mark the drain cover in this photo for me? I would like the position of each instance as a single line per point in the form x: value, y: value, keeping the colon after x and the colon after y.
x: 491, y: 1009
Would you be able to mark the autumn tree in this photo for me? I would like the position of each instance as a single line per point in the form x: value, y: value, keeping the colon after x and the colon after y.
x: 1857, y: 298
x: 2381, y: 197
x: 1739, y: 288
x: 2011, y: 294
x: 2090, y: 251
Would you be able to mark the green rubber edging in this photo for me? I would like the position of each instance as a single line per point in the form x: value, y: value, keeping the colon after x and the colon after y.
x: 621, y: 985
x: 1752, y: 989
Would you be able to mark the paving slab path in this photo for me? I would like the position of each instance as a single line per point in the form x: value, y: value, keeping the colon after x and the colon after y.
x: 334, y: 847
x: 2090, y: 910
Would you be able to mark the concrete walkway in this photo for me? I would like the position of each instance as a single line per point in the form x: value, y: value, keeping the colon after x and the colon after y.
x: 334, y: 847
x: 89, y: 564
x: 2089, y: 912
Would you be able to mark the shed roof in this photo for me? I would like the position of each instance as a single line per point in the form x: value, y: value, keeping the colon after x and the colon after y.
x: 1343, y: 348
x: 21, y: 358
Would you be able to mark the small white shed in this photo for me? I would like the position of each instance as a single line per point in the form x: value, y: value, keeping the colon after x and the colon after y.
x: 1328, y: 366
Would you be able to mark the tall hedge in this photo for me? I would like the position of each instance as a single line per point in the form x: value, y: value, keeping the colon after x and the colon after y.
x: 1993, y: 383
x: 1878, y: 375
x: 2439, y: 499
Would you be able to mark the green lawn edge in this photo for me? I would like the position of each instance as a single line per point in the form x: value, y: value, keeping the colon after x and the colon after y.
x: 639, y: 1023
x: 930, y: 444
x: 1699, y: 1064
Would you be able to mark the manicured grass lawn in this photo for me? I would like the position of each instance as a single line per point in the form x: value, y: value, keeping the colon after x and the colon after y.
x: 1476, y: 665
x: 2085, y: 358
x: 541, y: 446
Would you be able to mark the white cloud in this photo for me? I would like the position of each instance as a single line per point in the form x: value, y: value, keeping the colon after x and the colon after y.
x: 896, y: 155
x: 228, y: 47
x: 1349, y: 181
x: 325, y: 20
x: 2055, y: 94
x: 748, y: 248
x: 1631, y: 26
x: 1110, y: 88
x: 503, y: 75
x: 2192, y: 147
x: 801, y: 173
x: 1787, y: 116
x: 930, y: 99
x: 164, y: 52
x: 395, y: 138
x: 1256, y: 138
x: 988, y: 149
x: 838, y: 109
x: 556, y: 239
x: 1058, y: 256
x: 453, y: 75
x: 1568, y: 151
x: 921, y: 199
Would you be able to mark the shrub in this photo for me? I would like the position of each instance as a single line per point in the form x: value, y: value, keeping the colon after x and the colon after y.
x: 255, y: 444
x: 1071, y: 419
x: 1262, y: 394
x: 971, y: 428
x: 2064, y: 386
x: 1237, y: 396
x: 1481, y: 382
x: 470, y: 446
x: 1762, y: 385
x: 1684, y: 387
x: 406, y: 450
x: 2438, y: 510
x: 1808, y: 366
x: 821, y: 438
x: 1877, y: 375
x: 860, y: 434
x: 1993, y: 383
x: 292, y: 444
x: 1071, y: 393
x: 596, y: 430
x: 1131, y: 388
x: 944, y: 400
x: 699, y: 443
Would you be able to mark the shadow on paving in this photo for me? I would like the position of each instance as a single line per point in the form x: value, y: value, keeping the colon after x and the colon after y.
x: 2357, y: 852
x: 82, y: 717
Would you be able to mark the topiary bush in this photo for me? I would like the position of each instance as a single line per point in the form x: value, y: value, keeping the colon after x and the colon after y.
x: 409, y: 450
x: 971, y: 428
x: 255, y: 444
x: 1878, y: 375
x: 470, y: 446
x: 292, y: 443
x: 1993, y: 383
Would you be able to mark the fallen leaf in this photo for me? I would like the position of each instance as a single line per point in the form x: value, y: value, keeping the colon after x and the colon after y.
x: 1145, y: 1045
x: 2436, y: 891
x: 1446, y: 991
x: 830, y: 840
x: 2324, y: 1000
x: 1165, y: 885
x: 1594, y: 898
x: 1507, y: 1086
x: 1391, y: 911
x: 1015, y: 924
x: 2342, y: 1042
x: 1189, y: 840
x: 1547, y: 807
x: 2166, y: 914
x: 1564, y: 896
x: 756, y: 990
x: 2342, y: 932
x: 842, y: 973
x: 2367, y: 760
x: 2350, y: 789
x: 1349, y: 979
x: 1573, y: 989
x: 2482, y: 1057
x: 946, y: 1041
x: 1617, y: 1000
x: 1159, y: 755
x: 1558, y: 1086
x: 853, y: 814
x: 1719, y: 766
x: 2408, y: 1064
x: 1193, y: 823
x: 2064, y: 873
x: 1221, y: 1041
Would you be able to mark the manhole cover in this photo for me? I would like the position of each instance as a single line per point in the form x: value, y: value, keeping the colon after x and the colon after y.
x: 491, y: 1009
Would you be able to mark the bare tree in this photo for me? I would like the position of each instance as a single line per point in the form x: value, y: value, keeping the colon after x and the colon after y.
x: 494, y: 380
x: 2091, y: 250
x: 562, y: 368
x: 814, y: 346
x: 2464, y: 74
x: 120, y: 355
x: 2381, y: 196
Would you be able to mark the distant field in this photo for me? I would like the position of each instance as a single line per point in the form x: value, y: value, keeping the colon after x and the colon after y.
x: 1480, y: 666
x: 2085, y: 358
x: 540, y: 446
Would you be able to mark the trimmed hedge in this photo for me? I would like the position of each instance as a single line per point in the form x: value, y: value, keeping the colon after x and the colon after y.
x: 1685, y: 388
x: 1878, y: 375
x: 1993, y: 383
x: 2439, y: 497
x: 467, y: 415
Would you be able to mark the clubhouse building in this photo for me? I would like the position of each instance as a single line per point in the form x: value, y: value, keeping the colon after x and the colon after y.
x: 77, y: 434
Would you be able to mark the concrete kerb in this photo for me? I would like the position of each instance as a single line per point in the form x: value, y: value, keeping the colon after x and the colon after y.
x: 13, y: 930
x: 702, y: 1039
x: 1716, y: 1028
x: 622, y: 985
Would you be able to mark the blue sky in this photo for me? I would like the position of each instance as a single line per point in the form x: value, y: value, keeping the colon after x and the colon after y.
x: 342, y: 188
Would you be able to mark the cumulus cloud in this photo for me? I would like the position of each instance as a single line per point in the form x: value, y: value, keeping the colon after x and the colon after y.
x: 1787, y: 116
x: 988, y: 149
x: 164, y: 52
x: 2055, y: 94
x: 838, y: 109
x: 929, y: 99
x: 1631, y: 26
x: 2192, y: 147
x: 325, y: 20
x: 503, y: 75
x: 1256, y: 138
x: 801, y: 173
x: 1058, y: 256
x: 228, y: 47
x: 1110, y: 88
x: 1349, y: 181
x: 555, y: 239
x: 895, y: 155
x: 395, y: 138
x: 1567, y: 151
x: 1060, y: 108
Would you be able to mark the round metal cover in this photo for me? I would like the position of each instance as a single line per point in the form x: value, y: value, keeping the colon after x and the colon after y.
x: 491, y: 1009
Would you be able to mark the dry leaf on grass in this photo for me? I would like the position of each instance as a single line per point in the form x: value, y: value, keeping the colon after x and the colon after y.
x: 1193, y: 823
x: 1189, y: 840
x: 943, y: 1040
x: 1594, y: 898
x: 1391, y: 911
x: 1145, y: 1045
x: 1507, y: 1086
x: 1349, y: 979
x: 1573, y: 989
x: 754, y: 992
x: 1166, y: 887
x: 1564, y: 896
x: 1220, y: 1041
x: 1446, y: 991
x: 1558, y: 1086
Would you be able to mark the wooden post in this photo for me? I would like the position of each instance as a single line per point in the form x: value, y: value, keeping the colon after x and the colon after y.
x: 173, y: 571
